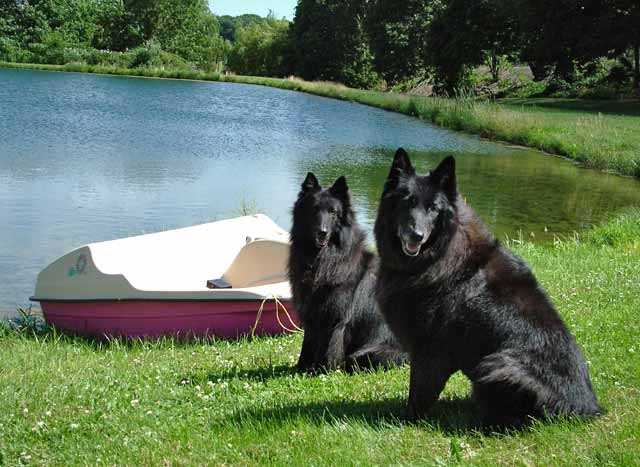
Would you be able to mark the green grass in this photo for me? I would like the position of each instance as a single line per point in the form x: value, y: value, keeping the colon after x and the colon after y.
x: 598, y: 134
x: 66, y: 401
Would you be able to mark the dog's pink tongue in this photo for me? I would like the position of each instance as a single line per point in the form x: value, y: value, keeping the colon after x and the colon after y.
x: 412, y: 248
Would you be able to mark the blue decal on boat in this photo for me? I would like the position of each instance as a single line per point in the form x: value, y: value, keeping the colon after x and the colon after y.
x: 81, y: 266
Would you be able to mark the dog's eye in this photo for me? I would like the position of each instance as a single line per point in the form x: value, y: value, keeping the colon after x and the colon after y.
x: 411, y: 201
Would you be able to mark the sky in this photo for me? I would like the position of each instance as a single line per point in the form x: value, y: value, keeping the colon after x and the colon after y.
x: 259, y: 7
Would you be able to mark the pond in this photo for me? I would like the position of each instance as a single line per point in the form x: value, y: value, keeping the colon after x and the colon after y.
x: 86, y: 158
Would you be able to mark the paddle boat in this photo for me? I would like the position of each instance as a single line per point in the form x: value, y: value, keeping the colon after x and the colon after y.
x: 225, y: 278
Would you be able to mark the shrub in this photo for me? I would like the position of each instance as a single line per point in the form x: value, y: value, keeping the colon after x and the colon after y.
x: 151, y: 55
x: 73, y: 54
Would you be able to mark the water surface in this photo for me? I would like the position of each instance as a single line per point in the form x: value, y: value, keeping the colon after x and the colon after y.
x: 86, y: 158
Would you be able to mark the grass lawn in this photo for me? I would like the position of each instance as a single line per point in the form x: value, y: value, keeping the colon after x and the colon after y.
x: 67, y: 401
x: 599, y: 134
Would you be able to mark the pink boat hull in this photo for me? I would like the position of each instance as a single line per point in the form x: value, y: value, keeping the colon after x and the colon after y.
x: 156, y: 318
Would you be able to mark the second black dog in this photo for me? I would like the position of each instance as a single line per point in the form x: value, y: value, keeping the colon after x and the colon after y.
x: 332, y: 276
x: 459, y: 300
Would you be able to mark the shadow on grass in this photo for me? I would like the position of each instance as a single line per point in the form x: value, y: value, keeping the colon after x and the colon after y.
x: 450, y: 416
x: 253, y: 374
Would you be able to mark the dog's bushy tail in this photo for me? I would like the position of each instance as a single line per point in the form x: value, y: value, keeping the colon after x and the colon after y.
x: 508, y: 389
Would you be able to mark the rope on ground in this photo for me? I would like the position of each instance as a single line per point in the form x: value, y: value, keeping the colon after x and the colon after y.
x: 294, y: 327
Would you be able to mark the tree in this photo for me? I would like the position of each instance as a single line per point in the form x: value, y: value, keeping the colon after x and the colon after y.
x: 260, y: 48
x: 397, y: 33
x: 116, y: 28
x: 188, y: 29
x: 624, y: 31
x: 464, y: 33
x: 227, y: 28
x: 330, y: 42
x: 145, y: 15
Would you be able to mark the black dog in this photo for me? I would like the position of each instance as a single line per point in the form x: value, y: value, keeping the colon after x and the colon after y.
x: 457, y: 299
x: 332, y: 278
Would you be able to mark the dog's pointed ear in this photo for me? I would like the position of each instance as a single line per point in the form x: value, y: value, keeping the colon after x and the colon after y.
x: 401, y: 166
x: 310, y: 184
x: 445, y: 176
x: 340, y: 190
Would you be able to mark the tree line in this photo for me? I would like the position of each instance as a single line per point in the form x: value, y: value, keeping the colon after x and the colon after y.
x: 361, y: 43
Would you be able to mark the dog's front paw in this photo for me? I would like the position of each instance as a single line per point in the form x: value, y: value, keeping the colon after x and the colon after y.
x: 416, y: 411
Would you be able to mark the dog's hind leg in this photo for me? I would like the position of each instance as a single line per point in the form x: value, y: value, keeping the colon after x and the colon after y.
x: 505, y: 392
x: 427, y: 380
x: 504, y: 405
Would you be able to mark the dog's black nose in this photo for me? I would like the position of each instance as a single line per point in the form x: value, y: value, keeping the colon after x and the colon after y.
x: 322, y: 233
x: 416, y: 236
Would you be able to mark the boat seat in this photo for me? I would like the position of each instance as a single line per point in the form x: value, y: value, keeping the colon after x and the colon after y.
x: 259, y: 262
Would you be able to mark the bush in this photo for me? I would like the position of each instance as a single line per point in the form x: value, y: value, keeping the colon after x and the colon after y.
x: 74, y: 55
x: 152, y: 56
x: 11, y: 52
x: 52, y: 48
x: 107, y: 58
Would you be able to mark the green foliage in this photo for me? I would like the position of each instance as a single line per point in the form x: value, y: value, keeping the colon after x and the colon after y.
x: 151, y: 55
x: 397, y: 35
x: 229, y: 25
x: 360, y: 43
x: 261, y: 49
x: 66, y: 31
x: 51, y: 49
x: 28, y: 321
x: 464, y: 34
x: 11, y: 51
x: 330, y: 43
x: 116, y: 29
x: 188, y: 28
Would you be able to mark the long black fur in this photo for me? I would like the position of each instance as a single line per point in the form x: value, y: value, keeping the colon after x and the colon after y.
x: 457, y: 299
x: 332, y: 276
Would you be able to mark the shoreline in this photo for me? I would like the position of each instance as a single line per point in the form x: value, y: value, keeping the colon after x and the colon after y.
x: 583, y: 138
